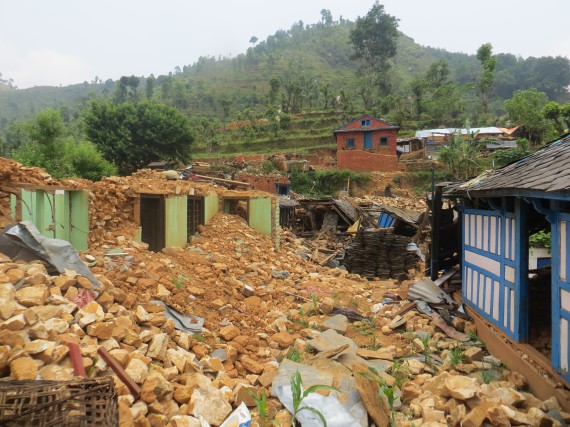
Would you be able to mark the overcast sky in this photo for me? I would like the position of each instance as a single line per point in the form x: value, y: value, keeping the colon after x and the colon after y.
x: 53, y: 42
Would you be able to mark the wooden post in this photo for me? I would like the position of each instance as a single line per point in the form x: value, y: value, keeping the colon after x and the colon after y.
x: 435, y: 230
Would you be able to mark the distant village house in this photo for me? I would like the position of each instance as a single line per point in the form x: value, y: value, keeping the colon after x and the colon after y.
x: 367, y: 144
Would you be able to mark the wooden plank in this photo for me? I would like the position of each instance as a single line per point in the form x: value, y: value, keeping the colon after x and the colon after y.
x: 228, y: 181
x: 502, y: 347
x: 444, y: 277
x: 409, y: 306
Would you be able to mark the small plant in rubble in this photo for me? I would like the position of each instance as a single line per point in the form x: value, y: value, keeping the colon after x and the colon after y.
x: 400, y: 371
x: 386, y: 393
x: 455, y: 356
x: 354, y: 303
x: 179, y: 281
x: 427, y: 355
x: 261, y: 404
x: 365, y: 328
x: 299, y: 394
x: 373, y: 344
x: 294, y: 354
x: 315, y: 300
x: 303, y: 321
x: 487, y: 376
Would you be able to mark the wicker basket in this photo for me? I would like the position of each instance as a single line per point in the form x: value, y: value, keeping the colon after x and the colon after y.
x: 59, y: 403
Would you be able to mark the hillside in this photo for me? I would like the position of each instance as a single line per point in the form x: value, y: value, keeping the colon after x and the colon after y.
x: 311, y: 70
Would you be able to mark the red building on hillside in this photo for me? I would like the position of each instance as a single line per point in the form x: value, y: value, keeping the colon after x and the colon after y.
x: 367, y: 144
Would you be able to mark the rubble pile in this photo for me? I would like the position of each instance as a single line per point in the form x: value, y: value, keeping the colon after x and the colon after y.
x: 410, y: 201
x: 110, y: 210
x: 196, y: 329
x: 12, y: 172
x: 257, y: 306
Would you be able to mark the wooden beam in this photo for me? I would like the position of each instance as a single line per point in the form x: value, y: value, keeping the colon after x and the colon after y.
x: 228, y: 181
x: 502, y: 347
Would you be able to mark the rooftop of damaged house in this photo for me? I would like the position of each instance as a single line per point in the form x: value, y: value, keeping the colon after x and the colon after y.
x: 152, y: 300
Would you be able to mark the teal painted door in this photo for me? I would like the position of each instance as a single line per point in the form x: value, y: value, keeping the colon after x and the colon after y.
x: 367, y: 140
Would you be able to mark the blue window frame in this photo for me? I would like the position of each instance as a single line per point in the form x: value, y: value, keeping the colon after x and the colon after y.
x: 349, y: 143
x: 365, y: 122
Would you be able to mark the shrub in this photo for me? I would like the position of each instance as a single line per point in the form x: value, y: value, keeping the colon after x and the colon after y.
x: 325, y: 183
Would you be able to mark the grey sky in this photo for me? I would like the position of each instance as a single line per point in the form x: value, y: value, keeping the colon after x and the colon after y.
x: 52, y: 42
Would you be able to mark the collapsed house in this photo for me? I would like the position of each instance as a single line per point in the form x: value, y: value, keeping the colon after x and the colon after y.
x: 165, y: 215
x: 369, y: 239
x: 522, y: 314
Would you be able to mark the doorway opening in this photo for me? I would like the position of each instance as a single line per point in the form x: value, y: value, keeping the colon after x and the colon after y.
x: 238, y: 207
x: 539, y: 283
x: 152, y: 221
x: 195, y: 215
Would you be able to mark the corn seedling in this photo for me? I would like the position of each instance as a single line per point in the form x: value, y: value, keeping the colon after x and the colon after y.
x: 303, y: 319
x: 427, y: 355
x: 455, y: 356
x: 315, y: 300
x: 400, y: 371
x: 198, y: 337
x: 487, y: 376
x: 474, y: 337
x: 386, y: 393
x: 299, y: 394
x: 261, y: 404
x: 91, y: 372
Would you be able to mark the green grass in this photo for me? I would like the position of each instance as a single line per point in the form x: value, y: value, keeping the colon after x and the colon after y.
x: 294, y: 355
x: 366, y: 328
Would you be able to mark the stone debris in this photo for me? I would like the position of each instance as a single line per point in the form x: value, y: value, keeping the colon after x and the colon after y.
x: 267, y: 314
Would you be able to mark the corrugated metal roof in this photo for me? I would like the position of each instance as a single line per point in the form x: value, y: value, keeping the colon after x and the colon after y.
x: 287, y: 203
x: 431, y: 132
x: 346, y: 208
x: 494, y: 145
x: 546, y: 171
x: 410, y: 217
x: 450, y: 131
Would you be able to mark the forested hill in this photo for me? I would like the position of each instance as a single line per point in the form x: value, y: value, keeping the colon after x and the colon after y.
x: 307, y: 68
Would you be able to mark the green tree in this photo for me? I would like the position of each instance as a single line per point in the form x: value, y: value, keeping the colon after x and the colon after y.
x: 272, y: 117
x: 488, y: 63
x: 48, y: 147
x: 461, y: 155
x: 565, y: 114
x: 16, y: 135
x: 374, y: 39
x: 275, y: 85
x: 134, y: 134
x: 553, y: 112
x: 149, y: 89
x: 505, y: 157
x: 326, y: 17
x: 525, y: 108
x: 436, y: 99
